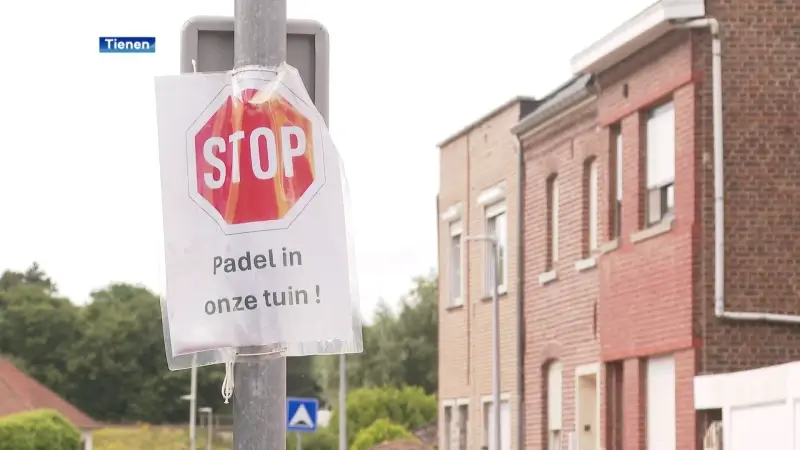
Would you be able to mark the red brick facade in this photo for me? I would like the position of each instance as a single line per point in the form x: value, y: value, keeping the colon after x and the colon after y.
x: 561, y: 301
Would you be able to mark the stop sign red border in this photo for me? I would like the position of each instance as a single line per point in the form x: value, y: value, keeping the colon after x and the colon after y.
x: 277, y: 87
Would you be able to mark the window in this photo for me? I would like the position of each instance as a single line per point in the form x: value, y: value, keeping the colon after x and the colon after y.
x: 488, y: 425
x: 660, y: 404
x: 448, y: 427
x: 614, y: 404
x: 590, y: 219
x: 497, y: 226
x: 616, y: 181
x: 552, y: 220
x: 463, y: 421
x: 554, y: 405
x: 660, y: 158
x: 456, y: 275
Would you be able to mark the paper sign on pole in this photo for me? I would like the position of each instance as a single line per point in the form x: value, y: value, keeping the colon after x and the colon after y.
x: 257, y: 249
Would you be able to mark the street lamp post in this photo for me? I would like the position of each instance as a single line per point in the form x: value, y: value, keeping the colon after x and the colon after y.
x: 493, y: 261
x: 210, y: 430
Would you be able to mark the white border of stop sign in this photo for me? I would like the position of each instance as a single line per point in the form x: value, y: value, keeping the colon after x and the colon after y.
x: 299, y: 99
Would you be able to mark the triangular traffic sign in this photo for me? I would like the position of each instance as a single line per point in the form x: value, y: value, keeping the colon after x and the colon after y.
x: 301, y: 418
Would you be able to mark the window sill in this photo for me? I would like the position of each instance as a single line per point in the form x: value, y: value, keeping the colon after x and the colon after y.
x: 607, y: 247
x: 454, y: 307
x: 586, y: 264
x: 665, y: 226
x: 548, y: 277
x: 501, y: 291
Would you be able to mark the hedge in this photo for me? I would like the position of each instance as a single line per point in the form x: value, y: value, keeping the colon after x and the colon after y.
x: 38, y: 430
x: 382, y: 430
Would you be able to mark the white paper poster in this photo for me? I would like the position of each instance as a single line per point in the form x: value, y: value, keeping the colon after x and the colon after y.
x: 257, y: 249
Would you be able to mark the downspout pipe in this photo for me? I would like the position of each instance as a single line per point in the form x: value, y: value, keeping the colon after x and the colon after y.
x: 719, y: 183
x: 520, y: 295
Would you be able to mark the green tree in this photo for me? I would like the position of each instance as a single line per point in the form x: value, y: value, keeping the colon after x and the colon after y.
x: 382, y: 430
x: 36, y: 329
x: 399, y: 348
x: 34, y: 275
x: 409, y: 407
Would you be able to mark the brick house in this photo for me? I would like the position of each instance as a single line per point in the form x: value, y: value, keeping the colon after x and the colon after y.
x: 477, y: 195
x: 697, y: 108
x: 563, y: 183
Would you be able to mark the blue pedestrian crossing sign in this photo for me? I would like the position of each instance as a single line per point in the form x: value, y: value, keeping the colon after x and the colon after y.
x: 301, y: 414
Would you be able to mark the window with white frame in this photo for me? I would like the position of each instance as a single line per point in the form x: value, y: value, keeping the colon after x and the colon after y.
x: 616, y: 185
x: 660, y: 158
x: 590, y: 178
x: 660, y: 403
x: 489, y: 425
x: 552, y: 220
x: 455, y: 264
x: 463, y: 424
x: 497, y: 227
x: 554, y: 405
x: 448, y: 427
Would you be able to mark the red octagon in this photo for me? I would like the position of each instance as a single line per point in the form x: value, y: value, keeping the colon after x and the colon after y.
x: 255, y: 160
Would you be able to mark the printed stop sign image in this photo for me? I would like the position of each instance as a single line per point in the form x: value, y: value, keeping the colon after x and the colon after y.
x: 256, y: 158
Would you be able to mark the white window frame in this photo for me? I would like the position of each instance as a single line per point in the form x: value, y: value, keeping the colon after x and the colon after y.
x: 555, y: 405
x: 592, y: 192
x: 660, y: 163
x: 553, y: 199
x: 486, y: 402
x: 492, y: 212
x: 456, y: 405
x: 456, y: 230
x: 618, y: 155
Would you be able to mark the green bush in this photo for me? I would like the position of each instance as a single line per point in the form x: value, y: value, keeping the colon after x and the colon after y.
x: 382, y: 430
x: 408, y: 407
x: 322, y: 439
x: 38, y: 430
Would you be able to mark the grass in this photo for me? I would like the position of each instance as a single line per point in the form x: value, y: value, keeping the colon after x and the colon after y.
x: 146, y: 437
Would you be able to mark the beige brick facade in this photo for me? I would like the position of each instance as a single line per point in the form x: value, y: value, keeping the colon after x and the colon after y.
x: 479, y: 161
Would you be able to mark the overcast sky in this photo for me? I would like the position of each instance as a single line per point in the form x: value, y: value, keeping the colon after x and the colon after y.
x: 79, y: 174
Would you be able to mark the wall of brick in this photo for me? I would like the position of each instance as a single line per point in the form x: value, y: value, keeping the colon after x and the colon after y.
x: 560, y: 321
x: 646, y: 286
x: 761, y: 89
x: 482, y: 158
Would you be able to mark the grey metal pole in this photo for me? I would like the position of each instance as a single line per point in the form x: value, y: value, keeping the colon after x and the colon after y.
x: 259, y: 398
x: 495, y: 345
x: 193, y: 406
x: 342, y: 402
x: 299, y: 441
x: 210, y: 430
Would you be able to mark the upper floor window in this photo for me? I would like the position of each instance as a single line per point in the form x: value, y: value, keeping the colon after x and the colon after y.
x: 497, y: 227
x: 590, y: 219
x: 660, y: 157
x: 552, y: 222
x: 616, y: 181
x: 455, y: 264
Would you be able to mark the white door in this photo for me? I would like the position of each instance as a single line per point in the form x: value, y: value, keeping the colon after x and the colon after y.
x: 660, y: 401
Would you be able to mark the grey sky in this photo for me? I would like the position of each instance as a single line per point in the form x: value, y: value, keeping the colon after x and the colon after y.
x: 79, y: 165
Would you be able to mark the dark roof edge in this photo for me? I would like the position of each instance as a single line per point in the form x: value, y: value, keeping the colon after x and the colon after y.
x: 575, y: 90
x: 474, y: 124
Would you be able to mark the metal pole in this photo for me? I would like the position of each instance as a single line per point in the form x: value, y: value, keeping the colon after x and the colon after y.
x: 193, y: 406
x: 495, y: 346
x: 299, y: 441
x: 210, y: 430
x: 342, y: 402
x: 259, y: 399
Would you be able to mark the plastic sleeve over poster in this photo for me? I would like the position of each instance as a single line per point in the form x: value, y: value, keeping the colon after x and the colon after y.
x: 258, y: 245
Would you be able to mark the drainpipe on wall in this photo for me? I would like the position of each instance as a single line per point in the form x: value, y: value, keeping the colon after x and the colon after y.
x: 719, y: 199
x: 520, y: 295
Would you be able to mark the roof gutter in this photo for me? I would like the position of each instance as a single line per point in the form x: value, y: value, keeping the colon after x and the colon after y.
x: 537, y: 118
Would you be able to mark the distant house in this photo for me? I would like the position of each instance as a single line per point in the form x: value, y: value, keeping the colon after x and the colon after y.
x: 20, y: 393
